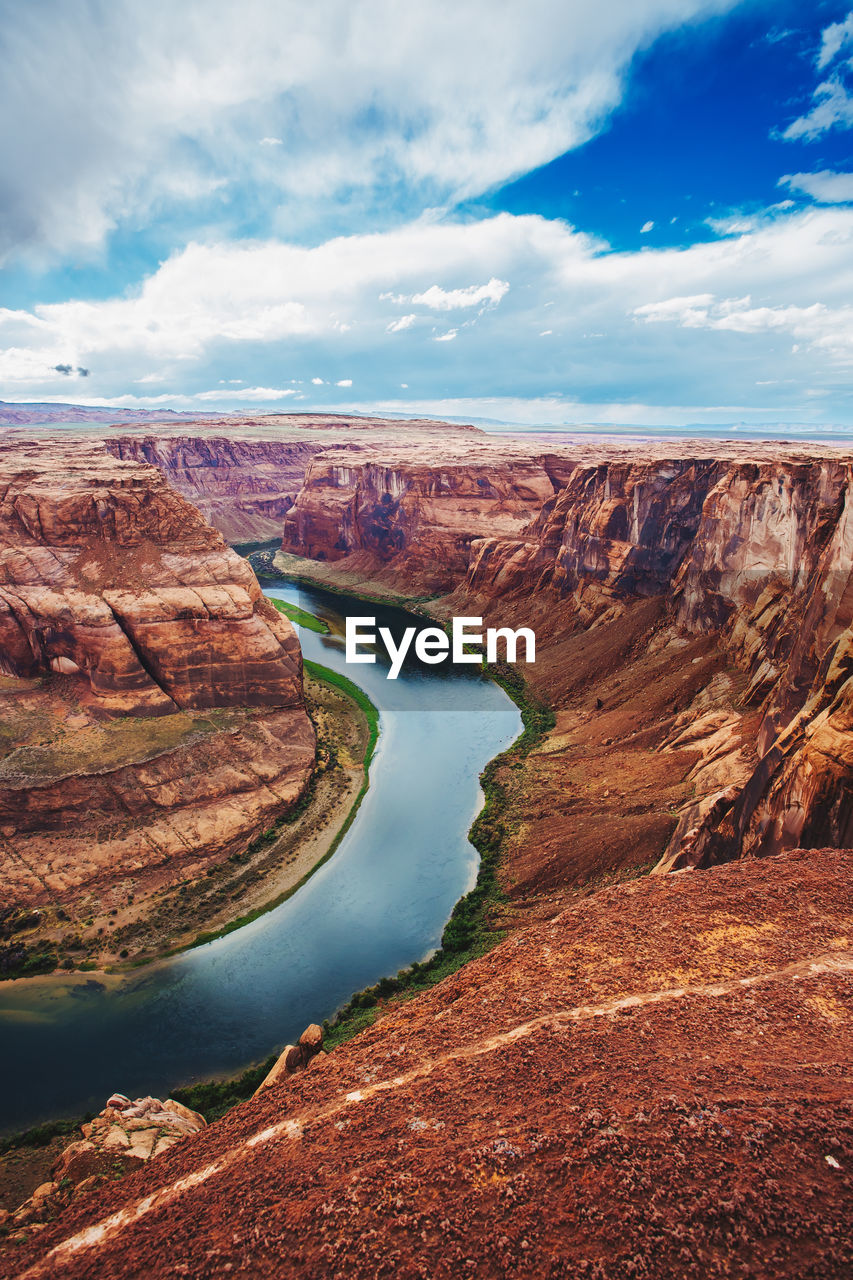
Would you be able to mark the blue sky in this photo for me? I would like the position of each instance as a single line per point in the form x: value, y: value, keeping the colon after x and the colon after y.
x: 546, y: 212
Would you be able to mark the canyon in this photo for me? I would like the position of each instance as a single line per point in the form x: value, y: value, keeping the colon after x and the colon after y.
x: 649, y: 1075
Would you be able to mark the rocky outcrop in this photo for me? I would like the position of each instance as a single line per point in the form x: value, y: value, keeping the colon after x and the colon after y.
x: 105, y: 571
x: 244, y: 475
x: 125, y: 1135
x: 755, y: 545
x: 152, y: 705
x: 295, y: 1057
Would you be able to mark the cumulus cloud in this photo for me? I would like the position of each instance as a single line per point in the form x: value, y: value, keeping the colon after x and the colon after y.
x: 248, y: 393
x: 344, y: 382
x: 646, y: 227
x: 833, y: 108
x: 123, y: 108
x: 404, y: 322
x: 826, y: 186
x: 455, y: 299
x: 653, y: 326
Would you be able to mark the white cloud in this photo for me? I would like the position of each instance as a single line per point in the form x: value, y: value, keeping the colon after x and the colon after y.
x: 835, y: 38
x: 249, y: 393
x: 397, y: 326
x: 833, y: 108
x: 826, y: 328
x: 665, y: 321
x: 826, y: 186
x: 646, y: 227
x: 121, y: 108
x: 344, y: 382
x: 545, y: 333
x: 455, y: 299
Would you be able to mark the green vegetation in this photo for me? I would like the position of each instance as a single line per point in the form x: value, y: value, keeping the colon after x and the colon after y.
x: 301, y: 617
x: 246, y: 549
x: 318, y: 672
x: 212, y: 1098
x: 42, y: 1134
x: 114, y: 744
x: 358, y: 696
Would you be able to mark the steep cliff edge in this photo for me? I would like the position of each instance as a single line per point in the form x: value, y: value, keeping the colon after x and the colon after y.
x: 750, y: 544
x: 244, y: 487
x: 152, y: 708
x: 404, y: 517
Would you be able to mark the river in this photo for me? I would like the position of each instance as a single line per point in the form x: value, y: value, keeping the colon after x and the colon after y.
x: 380, y: 903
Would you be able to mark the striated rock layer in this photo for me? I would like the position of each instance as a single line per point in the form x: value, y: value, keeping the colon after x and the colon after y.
x: 243, y: 487
x: 245, y: 474
x: 119, y: 603
x: 753, y: 544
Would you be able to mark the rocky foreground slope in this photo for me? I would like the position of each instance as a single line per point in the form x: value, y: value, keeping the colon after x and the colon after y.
x: 151, y: 708
x: 653, y: 1084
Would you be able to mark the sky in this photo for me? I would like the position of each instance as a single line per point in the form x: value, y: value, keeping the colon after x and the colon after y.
x: 541, y: 212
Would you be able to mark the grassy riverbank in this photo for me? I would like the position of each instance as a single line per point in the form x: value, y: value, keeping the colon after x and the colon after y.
x: 469, y: 932
x: 300, y: 616
x: 371, y: 715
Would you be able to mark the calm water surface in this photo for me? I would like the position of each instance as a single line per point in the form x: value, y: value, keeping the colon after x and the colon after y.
x: 378, y: 904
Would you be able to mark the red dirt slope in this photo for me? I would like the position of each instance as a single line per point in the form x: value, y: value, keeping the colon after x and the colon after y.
x: 656, y: 1083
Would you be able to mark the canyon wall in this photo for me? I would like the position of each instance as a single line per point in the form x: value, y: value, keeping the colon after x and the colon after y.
x: 753, y: 544
x: 409, y: 517
x: 152, y: 708
x: 244, y: 487
x: 244, y: 474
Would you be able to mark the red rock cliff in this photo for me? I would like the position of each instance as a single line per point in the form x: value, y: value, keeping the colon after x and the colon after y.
x: 404, y: 513
x: 152, y: 706
x: 243, y: 486
x: 752, y: 544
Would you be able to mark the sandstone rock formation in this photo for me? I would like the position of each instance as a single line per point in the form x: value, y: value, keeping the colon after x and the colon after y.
x: 152, y: 706
x: 244, y: 487
x: 295, y: 1057
x: 408, y: 517
x: 245, y: 476
x: 124, y: 1136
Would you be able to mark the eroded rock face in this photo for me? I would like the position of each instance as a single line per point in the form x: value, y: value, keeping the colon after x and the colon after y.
x: 125, y: 1135
x: 244, y: 475
x: 406, y: 514
x: 151, y: 699
x: 243, y: 487
x: 106, y: 571
x: 755, y: 545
